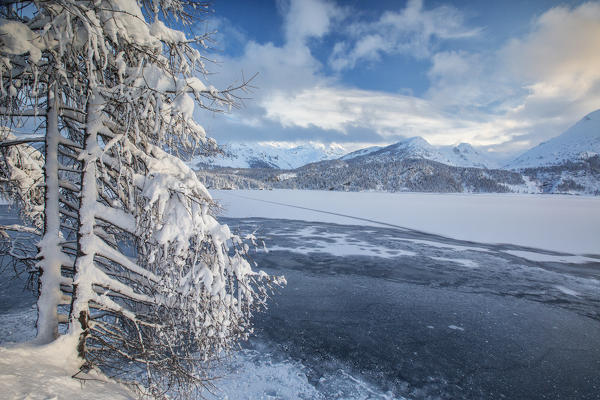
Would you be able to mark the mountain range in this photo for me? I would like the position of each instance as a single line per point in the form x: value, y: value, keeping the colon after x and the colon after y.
x: 568, y: 163
x: 270, y: 155
x: 274, y: 155
x: 463, y: 155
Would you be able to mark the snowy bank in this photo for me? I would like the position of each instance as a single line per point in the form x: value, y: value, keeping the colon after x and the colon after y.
x: 552, y: 222
x: 45, y: 372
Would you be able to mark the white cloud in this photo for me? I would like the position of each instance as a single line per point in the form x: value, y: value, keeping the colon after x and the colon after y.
x: 461, y: 81
x: 392, y: 116
x: 309, y: 18
x: 290, y: 66
x: 412, y: 31
x: 558, y: 63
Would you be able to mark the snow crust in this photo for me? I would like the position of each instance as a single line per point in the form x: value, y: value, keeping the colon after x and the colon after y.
x: 45, y: 372
x: 567, y: 291
x: 448, y: 246
x: 581, y: 141
x: 461, y: 261
x: 558, y: 223
x: 252, y: 374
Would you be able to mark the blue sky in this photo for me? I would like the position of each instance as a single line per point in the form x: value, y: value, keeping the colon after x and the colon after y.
x: 502, y: 75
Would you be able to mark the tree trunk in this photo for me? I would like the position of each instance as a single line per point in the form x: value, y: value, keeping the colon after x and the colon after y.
x: 50, y: 252
x: 84, y: 264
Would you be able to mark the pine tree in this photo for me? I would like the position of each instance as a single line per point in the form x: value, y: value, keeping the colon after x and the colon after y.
x: 129, y: 247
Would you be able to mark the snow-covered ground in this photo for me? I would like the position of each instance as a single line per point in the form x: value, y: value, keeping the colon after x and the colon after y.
x: 44, y: 372
x: 568, y: 224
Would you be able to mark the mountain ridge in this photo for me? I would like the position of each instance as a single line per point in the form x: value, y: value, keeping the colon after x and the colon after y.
x: 267, y: 155
x: 462, y: 155
x: 580, y: 142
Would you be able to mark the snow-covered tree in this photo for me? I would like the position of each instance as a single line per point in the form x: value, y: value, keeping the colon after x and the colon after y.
x: 129, y: 246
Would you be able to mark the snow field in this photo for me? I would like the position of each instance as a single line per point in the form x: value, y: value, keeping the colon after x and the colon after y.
x: 569, y: 224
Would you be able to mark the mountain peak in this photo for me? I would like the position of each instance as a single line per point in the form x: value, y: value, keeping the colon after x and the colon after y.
x: 463, y: 155
x: 580, y: 141
x: 416, y: 141
x: 594, y: 115
x: 464, y: 147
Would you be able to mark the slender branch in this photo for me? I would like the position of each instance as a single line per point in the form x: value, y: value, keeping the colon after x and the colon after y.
x: 15, y: 142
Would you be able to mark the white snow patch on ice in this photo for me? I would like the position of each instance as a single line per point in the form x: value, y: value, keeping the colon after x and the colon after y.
x: 462, y: 261
x: 539, y: 221
x: 568, y: 291
x: 456, y: 328
x: 454, y: 247
x: 340, y: 246
x: 306, y: 232
x: 541, y: 257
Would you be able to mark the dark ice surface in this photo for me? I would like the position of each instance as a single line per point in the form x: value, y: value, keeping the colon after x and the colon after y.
x: 420, y: 327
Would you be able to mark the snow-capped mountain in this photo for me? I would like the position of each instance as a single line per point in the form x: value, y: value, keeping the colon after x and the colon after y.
x: 576, y: 144
x: 463, y: 155
x: 567, y: 164
x: 280, y: 156
x: 361, y: 152
x: 271, y: 155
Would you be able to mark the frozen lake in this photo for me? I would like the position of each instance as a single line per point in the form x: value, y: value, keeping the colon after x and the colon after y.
x: 383, y: 313
x: 569, y: 224
x: 379, y: 312
x: 501, y: 299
